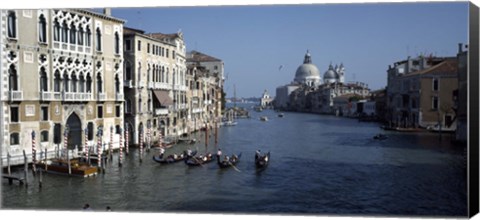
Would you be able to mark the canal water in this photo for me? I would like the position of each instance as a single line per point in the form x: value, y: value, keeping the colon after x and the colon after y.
x: 320, y: 165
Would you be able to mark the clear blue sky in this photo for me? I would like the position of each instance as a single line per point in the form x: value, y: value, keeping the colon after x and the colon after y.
x: 254, y: 41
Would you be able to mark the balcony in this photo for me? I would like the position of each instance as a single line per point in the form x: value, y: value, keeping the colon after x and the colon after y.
x: 161, y: 111
x: 86, y: 96
x: 165, y: 86
x: 46, y: 96
x: 101, y: 96
x: 15, y: 95
x: 57, y: 96
x: 151, y: 85
x: 127, y: 83
x: 182, y: 106
x: 119, y: 97
x: 197, y: 110
x: 68, y: 96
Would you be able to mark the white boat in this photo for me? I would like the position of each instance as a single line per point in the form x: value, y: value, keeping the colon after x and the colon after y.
x: 263, y: 118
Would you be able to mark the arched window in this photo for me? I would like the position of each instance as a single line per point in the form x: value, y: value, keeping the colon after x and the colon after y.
x: 98, y: 41
x: 117, y: 84
x: 99, y: 84
x: 128, y: 71
x: 117, y: 43
x: 56, y: 82
x: 80, y: 35
x: 65, y: 82
x: 89, y: 83
x: 42, y: 29
x: 44, y: 136
x: 166, y: 77
x: 43, y: 80
x: 56, y: 30
x: 81, y: 84
x: 88, y: 39
x: 12, y: 24
x: 14, y: 139
x: 140, y: 105
x: 74, y: 82
x: 162, y: 77
x: 139, y: 72
x: 128, y: 106
x: 12, y: 78
x: 148, y: 73
x: 73, y: 33
x: 64, y: 32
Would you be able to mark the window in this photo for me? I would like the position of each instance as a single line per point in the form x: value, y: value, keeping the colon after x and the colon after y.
x: 56, y: 82
x: 57, y: 133
x: 127, y: 45
x: 100, y: 111
x: 80, y: 35
x: 73, y: 34
x: 44, y: 136
x: 173, y: 54
x: 128, y: 106
x: 14, y: 139
x: 99, y: 84
x: 14, y: 114
x: 117, y: 129
x: 139, y: 46
x: 435, y: 84
x: 434, y: 103
x: 90, y: 131
x: 81, y: 84
x: 44, y: 113
x: 43, y: 80
x: 140, y: 105
x: 88, y: 39
x: 65, y: 82
x: 74, y: 83
x: 42, y: 29
x: 64, y: 32
x: 89, y: 83
x: 117, y: 43
x: 167, y: 53
x: 215, y: 67
x: 99, y: 40
x: 148, y: 47
x: 117, y: 111
x: 128, y: 71
x: 12, y: 24
x: 56, y: 30
x: 12, y: 78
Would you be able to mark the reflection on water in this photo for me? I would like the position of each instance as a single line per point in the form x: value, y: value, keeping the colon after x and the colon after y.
x: 319, y: 165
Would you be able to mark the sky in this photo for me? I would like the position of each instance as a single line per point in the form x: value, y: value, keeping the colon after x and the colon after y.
x: 254, y: 41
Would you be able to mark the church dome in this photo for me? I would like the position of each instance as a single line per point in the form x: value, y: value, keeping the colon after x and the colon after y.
x: 330, y: 75
x: 307, y: 71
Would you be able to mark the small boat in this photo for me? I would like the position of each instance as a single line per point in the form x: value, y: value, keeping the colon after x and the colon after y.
x: 172, y: 158
x: 229, y: 123
x: 263, y: 118
x: 280, y: 115
x: 261, y: 161
x: 380, y: 137
x: 437, y: 128
x: 198, y: 160
x: 60, y: 166
x: 228, y: 162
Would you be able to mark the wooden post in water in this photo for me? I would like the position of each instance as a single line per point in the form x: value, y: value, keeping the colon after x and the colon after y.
x: 46, y: 153
x: 99, y: 150
x: 34, y: 154
x: 40, y: 178
x: 141, y: 146
x: 110, y: 145
x: 25, y: 167
x: 69, y: 164
x: 8, y: 163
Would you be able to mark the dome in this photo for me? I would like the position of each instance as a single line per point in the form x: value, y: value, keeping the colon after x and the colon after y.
x: 330, y: 74
x: 307, y: 72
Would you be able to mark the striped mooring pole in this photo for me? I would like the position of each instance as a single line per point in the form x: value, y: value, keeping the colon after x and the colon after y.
x: 34, y: 154
x: 141, y: 146
x: 85, y: 149
x: 99, y: 149
x: 110, y: 145
x: 126, y: 140
x: 120, y: 150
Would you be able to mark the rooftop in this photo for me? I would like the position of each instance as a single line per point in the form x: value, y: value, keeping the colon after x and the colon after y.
x: 195, y: 56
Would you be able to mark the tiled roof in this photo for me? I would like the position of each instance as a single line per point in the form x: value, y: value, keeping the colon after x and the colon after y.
x: 163, y: 36
x: 195, y: 56
x: 127, y: 30
x: 448, y: 66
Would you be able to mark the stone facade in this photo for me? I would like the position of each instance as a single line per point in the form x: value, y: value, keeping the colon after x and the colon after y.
x: 61, y: 71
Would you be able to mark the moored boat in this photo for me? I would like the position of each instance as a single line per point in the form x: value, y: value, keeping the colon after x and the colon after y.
x: 172, y: 158
x: 198, y: 160
x: 60, y: 166
x: 263, y: 118
x: 228, y: 161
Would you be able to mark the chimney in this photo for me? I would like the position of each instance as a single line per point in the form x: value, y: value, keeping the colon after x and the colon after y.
x: 460, y: 45
x: 107, y: 11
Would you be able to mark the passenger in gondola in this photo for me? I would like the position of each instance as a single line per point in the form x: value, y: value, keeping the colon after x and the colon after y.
x: 175, y: 156
x: 234, y: 158
x: 219, y: 152
x: 226, y: 158
x: 189, y: 152
x: 257, y: 155
x: 162, y: 151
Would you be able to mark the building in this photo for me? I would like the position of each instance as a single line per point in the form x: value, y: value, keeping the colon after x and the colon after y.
x: 266, y: 100
x: 207, y: 79
x: 462, y: 95
x: 155, y: 85
x: 64, y: 71
x: 420, y: 92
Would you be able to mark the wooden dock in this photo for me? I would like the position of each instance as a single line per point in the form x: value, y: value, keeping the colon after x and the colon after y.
x: 12, y: 178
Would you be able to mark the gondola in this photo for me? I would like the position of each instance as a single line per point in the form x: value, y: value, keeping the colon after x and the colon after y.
x: 234, y: 159
x: 171, y: 158
x: 380, y: 137
x: 198, y: 160
x: 261, y: 161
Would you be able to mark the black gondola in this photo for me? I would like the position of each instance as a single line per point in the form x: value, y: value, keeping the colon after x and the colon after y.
x: 191, y: 160
x: 171, y: 158
x: 261, y: 161
x: 234, y: 159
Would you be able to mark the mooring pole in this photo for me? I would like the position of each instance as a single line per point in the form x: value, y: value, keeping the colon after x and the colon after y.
x: 46, y: 153
x: 8, y: 163
x: 25, y: 167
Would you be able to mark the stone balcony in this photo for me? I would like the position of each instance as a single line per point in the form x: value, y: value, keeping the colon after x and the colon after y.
x: 15, y: 95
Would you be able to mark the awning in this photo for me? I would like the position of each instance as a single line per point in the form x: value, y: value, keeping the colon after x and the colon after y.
x: 163, y: 98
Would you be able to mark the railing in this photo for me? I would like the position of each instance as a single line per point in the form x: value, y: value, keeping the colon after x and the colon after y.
x: 127, y: 83
x: 46, y: 96
x: 56, y: 45
x: 161, y: 111
x: 86, y: 96
x: 68, y: 96
x: 182, y: 106
x: 164, y: 86
x: 57, y: 96
x: 119, y: 96
x: 15, y: 95
x: 101, y: 96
